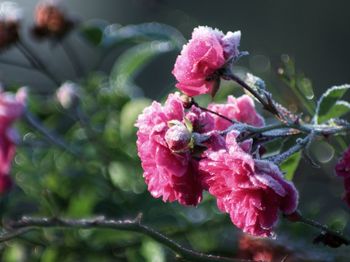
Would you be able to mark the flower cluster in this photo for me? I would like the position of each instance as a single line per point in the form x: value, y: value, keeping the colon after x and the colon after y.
x: 11, y: 108
x: 164, y: 143
x: 183, y: 153
x: 185, y: 149
x: 342, y: 169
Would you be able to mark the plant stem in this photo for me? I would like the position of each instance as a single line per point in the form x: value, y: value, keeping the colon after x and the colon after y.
x: 13, y: 63
x: 232, y: 121
x: 19, y: 227
x: 267, y: 103
x: 73, y: 58
x: 299, y: 146
x: 31, y: 120
x: 36, y: 62
x: 336, y: 239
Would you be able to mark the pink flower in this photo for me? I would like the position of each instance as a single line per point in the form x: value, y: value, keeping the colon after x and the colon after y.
x: 206, y: 53
x: 11, y: 108
x: 241, y: 109
x: 169, y: 174
x: 342, y: 169
x: 251, y: 191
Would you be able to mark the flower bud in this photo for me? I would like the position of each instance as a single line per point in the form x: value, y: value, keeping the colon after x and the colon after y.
x: 178, y: 138
x: 51, y: 21
x: 10, y: 16
x: 67, y: 95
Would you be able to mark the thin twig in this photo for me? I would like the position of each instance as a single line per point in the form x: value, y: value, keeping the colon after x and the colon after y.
x: 301, y: 144
x: 73, y: 58
x: 324, y: 228
x: 328, y: 237
x: 266, y: 103
x: 16, y: 228
x: 36, y: 62
x: 5, y: 61
x: 232, y: 121
x: 31, y: 120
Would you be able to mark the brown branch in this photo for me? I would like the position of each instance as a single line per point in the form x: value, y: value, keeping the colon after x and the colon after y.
x: 19, y: 227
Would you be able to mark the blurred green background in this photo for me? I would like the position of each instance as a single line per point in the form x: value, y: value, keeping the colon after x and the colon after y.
x: 107, y: 179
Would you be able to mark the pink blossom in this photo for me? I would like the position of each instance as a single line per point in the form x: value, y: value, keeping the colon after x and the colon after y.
x: 241, y: 109
x: 11, y: 108
x: 169, y: 174
x: 206, y: 53
x: 251, y: 191
x: 342, y: 169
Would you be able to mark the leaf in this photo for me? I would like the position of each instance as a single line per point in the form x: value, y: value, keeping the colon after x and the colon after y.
x: 129, y: 114
x: 290, y: 165
x: 152, y: 251
x: 305, y: 87
x: 131, y: 62
x: 339, y: 109
x: 298, y: 83
x: 115, y: 34
x: 328, y: 100
x: 93, y: 31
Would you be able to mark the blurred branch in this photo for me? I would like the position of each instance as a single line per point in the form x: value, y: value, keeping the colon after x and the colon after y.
x: 15, y: 63
x: 328, y: 237
x: 73, y: 58
x: 18, y: 227
x: 31, y: 120
x: 36, y: 62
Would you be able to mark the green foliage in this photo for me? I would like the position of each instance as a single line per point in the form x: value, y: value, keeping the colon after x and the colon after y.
x: 330, y: 106
x: 129, y: 114
x: 290, y: 165
x: 93, y: 31
x: 99, y: 33
x: 300, y: 85
x: 130, y: 63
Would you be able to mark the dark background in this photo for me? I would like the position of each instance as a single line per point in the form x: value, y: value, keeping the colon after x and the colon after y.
x: 315, y: 33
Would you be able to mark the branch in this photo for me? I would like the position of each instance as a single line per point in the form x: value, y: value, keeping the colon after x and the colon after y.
x: 328, y: 237
x: 73, y: 58
x: 267, y: 102
x: 301, y: 144
x: 31, y: 120
x: 36, y: 62
x: 19, y: 227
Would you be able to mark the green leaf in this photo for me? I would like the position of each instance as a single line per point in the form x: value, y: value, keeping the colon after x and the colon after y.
x: 328, y: 100
x: 339, y: 109
x: 93, y: 31
x: 132, y: 61
x: 305, y: 87
x: 298, y: 83
x: 129, y: 114
x: 152, y: 251
x: 115, y: 34
x: 290, y: 165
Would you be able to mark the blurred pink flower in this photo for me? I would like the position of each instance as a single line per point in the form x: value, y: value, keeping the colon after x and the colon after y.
x: 169, y: 174
x: 241, y: 109
x: 251, y: 191
x: 10, y: 17
x: 342, y: 169
x: 11, y: 108
x: 207, y: 51
x: 51, y: 20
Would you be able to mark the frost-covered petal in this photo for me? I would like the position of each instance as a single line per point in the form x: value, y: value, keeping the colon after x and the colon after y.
x: 251, y: 191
